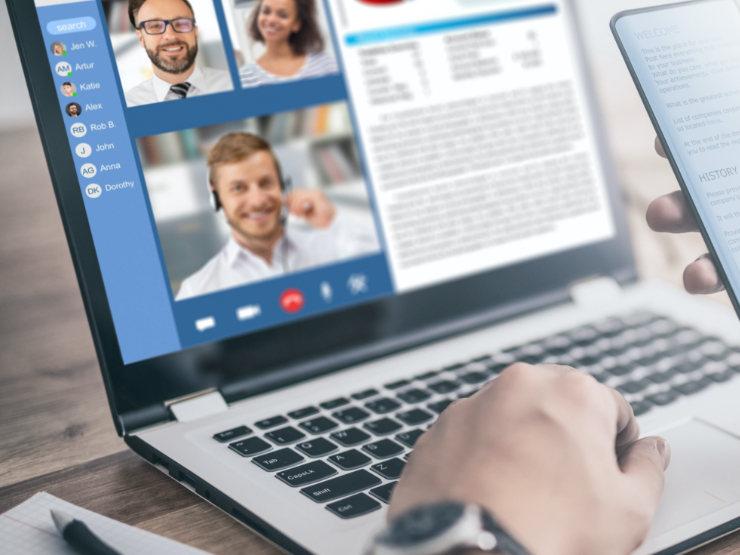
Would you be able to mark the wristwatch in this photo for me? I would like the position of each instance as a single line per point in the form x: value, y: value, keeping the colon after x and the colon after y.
x: 443, y: 528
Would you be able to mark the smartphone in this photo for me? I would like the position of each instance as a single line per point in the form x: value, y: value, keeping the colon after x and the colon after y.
x: 685, y: 61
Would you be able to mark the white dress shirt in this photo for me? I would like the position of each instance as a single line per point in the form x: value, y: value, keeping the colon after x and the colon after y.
x: 203, y: 80
x: 300, y: 248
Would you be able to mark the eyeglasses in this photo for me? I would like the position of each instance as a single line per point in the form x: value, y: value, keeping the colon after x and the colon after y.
x: 159, y: 26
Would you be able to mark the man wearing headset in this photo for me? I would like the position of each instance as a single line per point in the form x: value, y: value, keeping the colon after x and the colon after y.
x: 167, y: 31
x: 248, y: 187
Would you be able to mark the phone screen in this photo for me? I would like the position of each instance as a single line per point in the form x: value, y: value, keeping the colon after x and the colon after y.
x: 685, y: 59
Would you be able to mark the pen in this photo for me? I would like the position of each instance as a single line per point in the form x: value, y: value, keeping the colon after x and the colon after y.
x: 79, y: 536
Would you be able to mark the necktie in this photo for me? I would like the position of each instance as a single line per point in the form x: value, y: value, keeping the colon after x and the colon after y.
x: 181, y: 89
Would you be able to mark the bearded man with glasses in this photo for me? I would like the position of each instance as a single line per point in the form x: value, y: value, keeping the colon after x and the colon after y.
x: 169, y: 34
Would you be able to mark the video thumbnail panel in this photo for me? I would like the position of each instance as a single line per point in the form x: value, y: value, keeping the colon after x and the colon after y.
x: 256, y: 199
x: 167, y: 50
x: 279, y: 41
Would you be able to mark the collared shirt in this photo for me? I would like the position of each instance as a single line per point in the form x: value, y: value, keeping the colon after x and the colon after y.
x: 299, y: 249
x: 317, y: 64
x: 203, y: 80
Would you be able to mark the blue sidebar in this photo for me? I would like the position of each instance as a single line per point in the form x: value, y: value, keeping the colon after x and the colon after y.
x: 109, y: 180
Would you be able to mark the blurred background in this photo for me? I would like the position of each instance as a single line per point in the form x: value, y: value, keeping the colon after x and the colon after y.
x: 245, y: 49
x: 134, y: 65
x: 316, y: 149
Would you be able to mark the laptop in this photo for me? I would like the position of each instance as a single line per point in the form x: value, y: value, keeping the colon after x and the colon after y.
x: 301, y: 234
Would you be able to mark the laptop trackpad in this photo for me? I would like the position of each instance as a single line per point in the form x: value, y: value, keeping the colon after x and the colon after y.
x: 703, y: 477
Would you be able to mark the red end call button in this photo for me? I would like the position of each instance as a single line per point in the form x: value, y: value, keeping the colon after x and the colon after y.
x: 292, y: 300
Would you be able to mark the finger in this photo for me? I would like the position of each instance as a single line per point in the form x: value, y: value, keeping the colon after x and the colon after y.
x: 701, y: 277
x: 659, y: 148
x: 627, y: 428
x: 644, y: 462
x: 670, y: 214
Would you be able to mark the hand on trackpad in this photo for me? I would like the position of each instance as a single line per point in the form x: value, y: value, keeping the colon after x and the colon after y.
x: 703, y: 477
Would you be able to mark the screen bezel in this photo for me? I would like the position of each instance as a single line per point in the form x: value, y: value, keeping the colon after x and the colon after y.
x: 137, y: 392
x: 661, y: 136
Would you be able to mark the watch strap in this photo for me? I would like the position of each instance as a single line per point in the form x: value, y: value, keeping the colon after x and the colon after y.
x: 505, y: 542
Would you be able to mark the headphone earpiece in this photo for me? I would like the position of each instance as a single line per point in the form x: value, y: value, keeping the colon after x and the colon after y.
x: 215, y: 201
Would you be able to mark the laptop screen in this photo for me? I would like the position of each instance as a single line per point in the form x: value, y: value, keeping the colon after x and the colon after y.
x: 246, y: 164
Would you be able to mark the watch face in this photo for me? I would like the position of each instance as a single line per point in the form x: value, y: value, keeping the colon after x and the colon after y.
x: 423, y: 524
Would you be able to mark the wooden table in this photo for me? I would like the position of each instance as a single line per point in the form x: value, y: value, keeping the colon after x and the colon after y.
x: 56, y: 432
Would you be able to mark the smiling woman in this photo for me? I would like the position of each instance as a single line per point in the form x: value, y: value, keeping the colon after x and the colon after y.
x: 293, y: 43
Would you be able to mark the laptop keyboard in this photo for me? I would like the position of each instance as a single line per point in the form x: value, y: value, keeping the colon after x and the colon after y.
x: 347, y: 453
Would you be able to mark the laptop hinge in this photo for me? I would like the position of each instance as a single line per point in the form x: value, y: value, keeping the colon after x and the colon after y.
x: 198, y: 405
x: 595, y: 291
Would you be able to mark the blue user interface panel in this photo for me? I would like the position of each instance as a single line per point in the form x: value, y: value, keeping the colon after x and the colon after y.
x: 245, y: 164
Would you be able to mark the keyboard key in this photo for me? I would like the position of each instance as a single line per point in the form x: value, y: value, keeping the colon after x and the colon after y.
x: 693, y: 387
x: 635, y: 387
x: 234, y: 433
x: 427, y: 376
x: 662, y: 377
x: 285, y: 436
x: 382, y: 406
x: 688, y: 367
x: 723, y: 376
x: 383, y: 427
x: 384, y: 492
x: 365, y: 394
x: 445, y: 386
x: 664, y: 398
x: 439, y: 406
x: 350, y: 437
x: 639, y: 319
x: 641, y: 407
x: 714, y: 350
x: 610, y: 327
x: 622, y: 369
x: 584, y: 336
x: 317, y: 447
x: 390, y: 469
x: 349, y: 460
x: 270, y: 422
x: 334, y: 403
x: 558, y: 345
x: 303, y: 413
x: 318, y: 425
x: 531, y: 359
x: 383, y: 449
x: 413, y: 396
x: 251, y: 446
x: 278, y: 460
x: 354, y: 506
x: 341, y: 486
x: 497, y: 367
x: 453, y: 367
x: 414, y: 417
x: 409, y: 438
x: 351, y: 415
x: 474, y: 377
x: 397, y: 385
x: 306, y: 474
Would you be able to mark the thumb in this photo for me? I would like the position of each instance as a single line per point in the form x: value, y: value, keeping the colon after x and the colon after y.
x: 644, y: 463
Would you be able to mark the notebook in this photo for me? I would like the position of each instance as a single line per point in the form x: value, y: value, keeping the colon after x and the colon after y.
x: 28, y: 528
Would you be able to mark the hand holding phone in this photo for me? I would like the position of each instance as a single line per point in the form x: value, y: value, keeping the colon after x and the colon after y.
x: 685, y: 61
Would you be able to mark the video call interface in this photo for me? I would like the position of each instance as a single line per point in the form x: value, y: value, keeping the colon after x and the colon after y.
x: 249, y: 163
